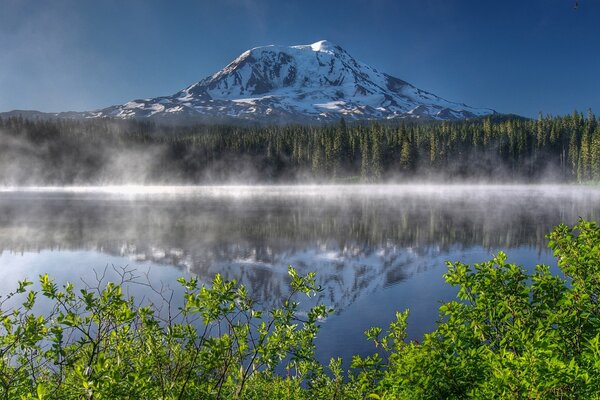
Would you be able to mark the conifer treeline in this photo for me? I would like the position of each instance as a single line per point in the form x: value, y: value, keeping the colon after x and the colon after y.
x: 71, y: 151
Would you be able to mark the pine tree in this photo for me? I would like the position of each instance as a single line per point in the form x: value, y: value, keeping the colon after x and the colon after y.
x: 583, y: 171
x: 317, y: 160
x: 487, y: 131
x: 595, y: 155
x: 406, y: 156
x: 339, y: 148
x: 573, y: 154
x: 376, y: 153
x: 433, y: 148
x: 364, y: 157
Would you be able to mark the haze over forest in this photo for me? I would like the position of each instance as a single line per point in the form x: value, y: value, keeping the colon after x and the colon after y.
x: 104, y: 151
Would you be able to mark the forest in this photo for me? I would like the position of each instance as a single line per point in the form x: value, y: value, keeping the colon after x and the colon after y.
x: 499, y: 149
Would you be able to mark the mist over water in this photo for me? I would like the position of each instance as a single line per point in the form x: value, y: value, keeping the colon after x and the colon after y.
x: 376, y: 248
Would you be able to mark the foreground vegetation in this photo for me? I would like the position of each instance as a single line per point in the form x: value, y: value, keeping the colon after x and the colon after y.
x: 107, y: 151
x: 508, y: 335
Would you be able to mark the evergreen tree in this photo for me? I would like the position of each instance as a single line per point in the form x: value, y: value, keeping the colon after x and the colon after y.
x: 406, y: 157
x: 376, y: 153
x: 583, y: 168
x: 364, y: 157
x: 573, y: 154
x: 595, y: 155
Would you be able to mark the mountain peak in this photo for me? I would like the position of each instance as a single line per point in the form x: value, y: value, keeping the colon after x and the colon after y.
x: 322, y: 45
x: 301, y: 83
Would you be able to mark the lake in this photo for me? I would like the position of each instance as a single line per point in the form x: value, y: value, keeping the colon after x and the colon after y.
x: 376, y: 249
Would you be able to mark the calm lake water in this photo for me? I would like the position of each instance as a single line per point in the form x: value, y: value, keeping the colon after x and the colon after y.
x: 376, y: 249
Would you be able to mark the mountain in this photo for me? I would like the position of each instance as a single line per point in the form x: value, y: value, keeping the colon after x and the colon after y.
x: 305, y: 83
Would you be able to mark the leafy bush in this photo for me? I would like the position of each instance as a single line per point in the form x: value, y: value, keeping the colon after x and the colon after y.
x: 508, y: 335
x: 98, y: 344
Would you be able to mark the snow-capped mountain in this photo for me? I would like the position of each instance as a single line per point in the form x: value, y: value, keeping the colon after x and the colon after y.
x: 318, y: 82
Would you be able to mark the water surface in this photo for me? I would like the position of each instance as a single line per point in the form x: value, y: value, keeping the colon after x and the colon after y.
x: 376, y: 249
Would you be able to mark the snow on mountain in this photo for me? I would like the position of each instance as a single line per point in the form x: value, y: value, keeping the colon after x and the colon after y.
x: 305, y: 83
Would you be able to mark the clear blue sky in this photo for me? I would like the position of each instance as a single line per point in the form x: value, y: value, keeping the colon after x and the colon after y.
x: 521, y: 56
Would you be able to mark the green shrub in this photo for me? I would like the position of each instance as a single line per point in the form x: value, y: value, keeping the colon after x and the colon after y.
x: 509, y: 335
x: 98, y: 344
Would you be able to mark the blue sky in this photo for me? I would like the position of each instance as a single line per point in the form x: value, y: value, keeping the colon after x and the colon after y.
x: 521, y: 56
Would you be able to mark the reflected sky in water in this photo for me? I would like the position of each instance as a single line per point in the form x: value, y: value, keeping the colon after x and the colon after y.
x: 376, y: 249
